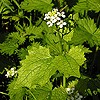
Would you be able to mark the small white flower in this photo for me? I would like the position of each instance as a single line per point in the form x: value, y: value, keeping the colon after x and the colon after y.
x: 49, y: 23
x: 52, y: 17
x: 49, y: 13
x: 72, y: 98
x: 54, y: 20
x: 61, y: 23
x: 10, y: 72
x: 46, y: 17
x: 55, y: 9
x: 12, y: 69
x: 73, y: 89
x: 63, y: 14
x: 78, y: 96
x: 68, y: 89
x: 58, y: 18
x: 78, y: 99
x: 58, y: 13
x: 81, y: 96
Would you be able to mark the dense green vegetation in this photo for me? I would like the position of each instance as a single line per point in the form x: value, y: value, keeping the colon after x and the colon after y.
x: 49, y: 49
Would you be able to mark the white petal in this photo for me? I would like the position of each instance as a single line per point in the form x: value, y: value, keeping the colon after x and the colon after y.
x: 63, y: 12
x: 50, y: 25
x: 12, y: 74
x: 52, y: 17
x: 55, y: 9
x: 15, y: 72
x: 61, y: 25
x: 72, y: 98
x: 55, y: 15
x: 58, y: 13
x: 12, y: 69
x: 46, y: 15
x: 78, y: 98
x: 81, y: 96
x: 58, y: 23
x: 58, y: 18
x: 63, y: 16
x: 64, y: 23
x: 48, y: 22
x: 53, y: 21
x: 7, y: 75
x: 45, y: 18
x: 49, y: 13
x: 68, y: 89
x: 73, y: 89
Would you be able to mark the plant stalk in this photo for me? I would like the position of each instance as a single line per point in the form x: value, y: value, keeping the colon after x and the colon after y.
x: 64, y: 81
x: 3, y: 93
x: 92, y: 65
x: 60, y: 40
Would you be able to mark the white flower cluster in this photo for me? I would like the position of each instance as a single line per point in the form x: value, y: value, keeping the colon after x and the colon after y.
x: 73, y: 95
x: 55, y: 17
x: 10, y: 72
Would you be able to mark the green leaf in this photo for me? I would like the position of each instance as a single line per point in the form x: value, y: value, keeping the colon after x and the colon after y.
x: 82, y: 86
x: 40, y: 5
x: 78, y: 54
x: 70, y: 63
x: 88, y: 85
x: 36, y: 68
x: 10, y: 45
x: 42, y: 93
x: 39, y: 66
x: 94, y: 84
x: 94, y: 5
x: 22, y: 53
x: 5, y: 6
x: 68, y: 37
x: 86, y: 31
x: 39, y: 93
x: 87, y: 5
x: 59, y: 94
x: 17, y: 36
x: 53, y: 43
x: 34, y: 32
x: 96, y: 37
x: 16, y: 94
x: 81, y: 6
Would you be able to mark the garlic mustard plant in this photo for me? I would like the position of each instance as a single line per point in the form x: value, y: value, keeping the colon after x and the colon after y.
x: 55, y: 17
x: 10, y: 72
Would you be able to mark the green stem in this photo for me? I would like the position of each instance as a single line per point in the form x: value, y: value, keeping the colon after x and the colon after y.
x: 98, y: 19
x: 58, y: 2
x: 3, y: 93
x: 92, y: 65
x: 28, y: 20
x: 16, y: 4
x: 31, y: 94
x: 26, y: 98
x: 64, y: 81
x: 63, y: 8
x: 60, y: 40
x: 95, y: 55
